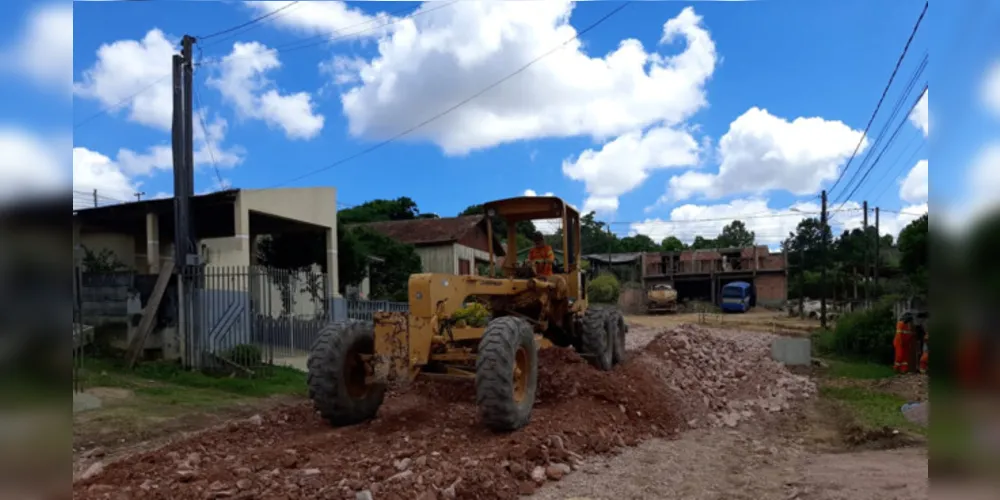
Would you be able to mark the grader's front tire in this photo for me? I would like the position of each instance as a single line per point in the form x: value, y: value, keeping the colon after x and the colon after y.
x: 337, y: 374
x: 506, y: 374
x: 596, y: 339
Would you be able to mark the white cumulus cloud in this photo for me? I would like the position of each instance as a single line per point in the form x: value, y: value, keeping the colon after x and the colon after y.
x: 94, y: 171
x: 920, y: 116
x: 762, y: 153
x: 545, y: 226
x: 625, y: 163
x: 433, y: 61
x: 31, y: 163
x: 241, y: 80
x: 334, y: 19
x: 914, y: 188
x: 139, y: 68
x: 990, y: 88
x: 45, y: 50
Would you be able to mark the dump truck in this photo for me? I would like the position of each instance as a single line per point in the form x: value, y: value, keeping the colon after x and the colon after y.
x: 352, y: 364
x: 661, y: 298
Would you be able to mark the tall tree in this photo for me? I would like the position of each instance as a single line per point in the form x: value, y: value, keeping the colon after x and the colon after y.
x: 672, y: 244
x: 638, y: 243
x: 702, y: 243
x: 736, y: 235
x: 402, y: 208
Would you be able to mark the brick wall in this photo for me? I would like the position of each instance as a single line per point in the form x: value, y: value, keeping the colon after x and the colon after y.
x: 772, y: 289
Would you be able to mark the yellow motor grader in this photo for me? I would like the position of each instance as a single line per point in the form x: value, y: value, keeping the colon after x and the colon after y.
x: 352, y: 364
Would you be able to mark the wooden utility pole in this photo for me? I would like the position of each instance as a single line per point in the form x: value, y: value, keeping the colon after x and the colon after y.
x: 867, y: 241
x: 823, y: 263
x: 878, y: 243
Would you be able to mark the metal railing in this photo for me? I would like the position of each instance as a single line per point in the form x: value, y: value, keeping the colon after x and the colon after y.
x: 364, y: 310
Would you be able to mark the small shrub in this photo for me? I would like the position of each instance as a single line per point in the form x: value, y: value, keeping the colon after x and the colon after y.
x: 247, y: 355
x: 604, y: 289
x: 475, y: 314
x: 866, y: 334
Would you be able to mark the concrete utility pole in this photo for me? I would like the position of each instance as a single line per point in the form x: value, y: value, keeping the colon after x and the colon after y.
x: 823, y: 262
x: 867, y: 244
x: 95, y: 198
x: 182, y: 138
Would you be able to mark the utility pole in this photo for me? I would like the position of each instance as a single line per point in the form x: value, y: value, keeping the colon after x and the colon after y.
x: 823, y: 263
x: 185, y: 248
x: 867, y: 244
x: 802, y: 281
x: 878, y: 243
x: 138, y: 195
x: 95, y: 198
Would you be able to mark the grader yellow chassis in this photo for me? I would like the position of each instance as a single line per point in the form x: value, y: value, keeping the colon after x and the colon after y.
x: 352, y: 364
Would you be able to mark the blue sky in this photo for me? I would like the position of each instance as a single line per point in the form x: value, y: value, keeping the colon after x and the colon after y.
x: 749, y: 108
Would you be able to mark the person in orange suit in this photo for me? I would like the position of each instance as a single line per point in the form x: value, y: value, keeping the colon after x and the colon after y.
x: 923, y: 356
x: 903, y: 343
x: 541, y: 257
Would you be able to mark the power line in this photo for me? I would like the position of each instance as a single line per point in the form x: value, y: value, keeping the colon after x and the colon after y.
x: 322, y: 39
x: 208, y: 142
x: 255, y: 26
x: 885, y: 127
x: 248, y: 23
x: 894, y: 168
x: 462, y: 102
x: 882, y: 98
x: 879, y: 157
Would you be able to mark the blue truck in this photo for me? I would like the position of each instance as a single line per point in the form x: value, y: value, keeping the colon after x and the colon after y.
x: 738, y: 296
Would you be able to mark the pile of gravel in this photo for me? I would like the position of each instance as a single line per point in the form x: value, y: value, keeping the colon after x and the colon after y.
x: 718, y: 378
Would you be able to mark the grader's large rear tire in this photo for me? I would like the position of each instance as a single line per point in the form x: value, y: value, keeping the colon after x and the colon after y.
x: 618, y: 328
x: 506, y: 374
x: 596, y: 340
x: 337, y: 374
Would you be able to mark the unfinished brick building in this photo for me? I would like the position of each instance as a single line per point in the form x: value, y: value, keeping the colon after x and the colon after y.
x: 701, y: 274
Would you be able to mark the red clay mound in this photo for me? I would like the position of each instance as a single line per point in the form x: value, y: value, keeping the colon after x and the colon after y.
x: 426, y: 443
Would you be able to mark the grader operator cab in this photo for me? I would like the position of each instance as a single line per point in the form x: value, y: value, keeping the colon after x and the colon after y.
x: 352, y: 364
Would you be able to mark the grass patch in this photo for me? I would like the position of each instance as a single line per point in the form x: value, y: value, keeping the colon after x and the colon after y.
x: 873, y: 409
x: 860, y: 370
x: 274, y: 380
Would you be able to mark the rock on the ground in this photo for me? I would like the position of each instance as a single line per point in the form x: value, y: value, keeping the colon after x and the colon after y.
x: 557, y: 471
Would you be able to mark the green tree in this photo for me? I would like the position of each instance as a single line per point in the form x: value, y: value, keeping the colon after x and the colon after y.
x: 672, y: 244
x: 702, y: 243
x: 638, y: 243
x: 914, y: 256
x: 736, y: 235
x: 402, y: 208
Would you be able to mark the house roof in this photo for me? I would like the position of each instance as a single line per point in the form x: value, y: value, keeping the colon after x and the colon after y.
x: 423, y: 232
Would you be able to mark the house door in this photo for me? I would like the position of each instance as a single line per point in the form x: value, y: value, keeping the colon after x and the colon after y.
x: 464, y: 267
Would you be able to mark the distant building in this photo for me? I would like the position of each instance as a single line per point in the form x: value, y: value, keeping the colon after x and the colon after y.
x: 453, y: 245
x: 701, y: 274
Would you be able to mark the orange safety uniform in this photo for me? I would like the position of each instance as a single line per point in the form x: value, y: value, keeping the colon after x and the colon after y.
x: 903, y: 343
x: 542, y: 259
x: 923, y: 356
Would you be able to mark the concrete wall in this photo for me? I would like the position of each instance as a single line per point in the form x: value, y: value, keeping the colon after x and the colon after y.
x: 772, y: 289
x: 122, y: 245
x: 316, y: 206
x: 438, y: 259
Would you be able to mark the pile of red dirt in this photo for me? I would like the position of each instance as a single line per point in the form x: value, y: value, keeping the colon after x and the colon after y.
x: 426, y: 443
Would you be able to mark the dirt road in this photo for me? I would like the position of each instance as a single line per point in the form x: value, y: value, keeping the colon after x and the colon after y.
x: 715, y: 416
